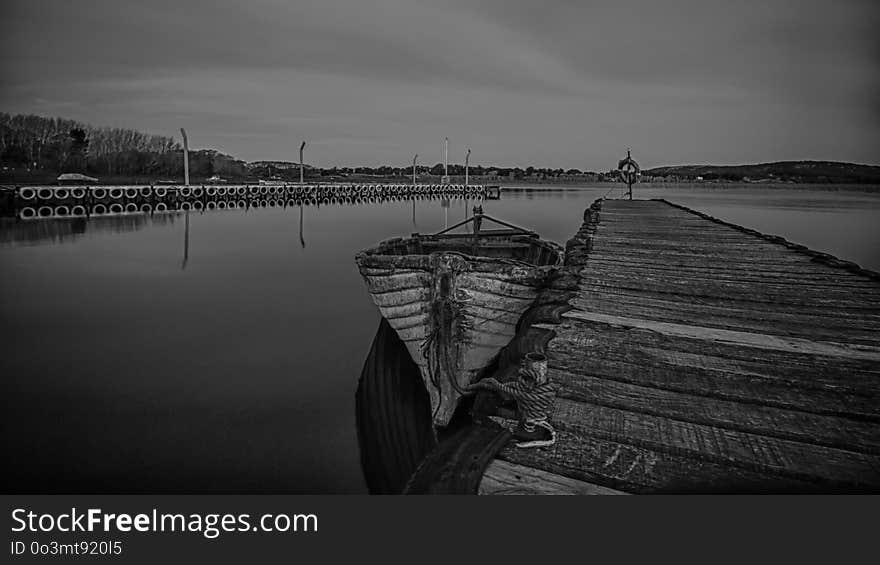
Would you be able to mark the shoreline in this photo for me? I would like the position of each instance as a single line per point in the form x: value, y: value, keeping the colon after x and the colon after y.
x: 536, y: 187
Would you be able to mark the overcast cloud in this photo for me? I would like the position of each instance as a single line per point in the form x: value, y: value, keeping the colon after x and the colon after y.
x: 552, y: 83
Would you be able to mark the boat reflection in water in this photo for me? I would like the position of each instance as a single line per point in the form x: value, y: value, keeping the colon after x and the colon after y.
x: 393, y: 415
x: 455, y: 299
x: 401, y: 451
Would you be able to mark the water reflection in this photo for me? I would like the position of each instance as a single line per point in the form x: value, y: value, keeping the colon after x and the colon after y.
x: 393, y: 414
x: 68, y: 230
x: 302, y: 239
x: 185, y: 242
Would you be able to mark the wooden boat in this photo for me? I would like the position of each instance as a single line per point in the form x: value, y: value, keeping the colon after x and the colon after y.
x: 455, y: 299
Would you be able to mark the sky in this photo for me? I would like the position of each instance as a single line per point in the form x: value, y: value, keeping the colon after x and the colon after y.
x: 555, y: 83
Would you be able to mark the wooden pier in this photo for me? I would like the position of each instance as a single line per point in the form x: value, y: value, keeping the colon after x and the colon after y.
x: 693, y: 355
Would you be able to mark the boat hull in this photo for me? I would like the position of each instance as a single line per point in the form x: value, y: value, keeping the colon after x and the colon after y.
x: 454, y: 313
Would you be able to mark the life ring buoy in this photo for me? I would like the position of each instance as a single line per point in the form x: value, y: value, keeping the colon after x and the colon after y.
x: 27, y: 213
x: 99, y: 210
x: 131, y: 208
x: 131, y: 192
x: 115, y: 208
x: 78, y: 210
x: 27, y: 193
x: 628, y: 169
x: 46, y: 193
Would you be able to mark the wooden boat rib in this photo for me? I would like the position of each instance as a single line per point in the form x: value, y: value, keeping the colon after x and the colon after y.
x: 455, y: 299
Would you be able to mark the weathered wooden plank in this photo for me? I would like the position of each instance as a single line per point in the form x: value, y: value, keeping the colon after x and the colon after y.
x: 750, y: 451
x: 710, y: 382
x: 689, y: 260
x: 870, y: 298
x: 865, y: 289
x: 641, y: 470
x: 740, y: 246
x: 796, y: 425
x: 504, y: 477
x: 721, y: 290
x: 854, y: 312
x: 736, y: 338
x: 577, y: 341
x: 853, y: 318
x: 685, y: 254
x: 810, y: 273
x: 817, y: 327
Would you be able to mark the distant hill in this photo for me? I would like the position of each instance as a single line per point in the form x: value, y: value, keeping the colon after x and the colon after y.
x: 782, y: 171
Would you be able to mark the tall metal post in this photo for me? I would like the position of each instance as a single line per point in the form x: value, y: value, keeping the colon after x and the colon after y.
x: 467, y: 159
x: 629, y: 179
x: 301, y: 148
x: 185, y: 157
x: 446, y: 163
x: 413, y: 195
x: 416, y: 156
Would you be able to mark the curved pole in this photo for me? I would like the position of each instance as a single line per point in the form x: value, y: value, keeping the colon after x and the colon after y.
x: 446, y: 161
x: 301, y: 148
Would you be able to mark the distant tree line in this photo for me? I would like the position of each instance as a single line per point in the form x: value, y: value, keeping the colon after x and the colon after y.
x: 30, y: 143
x: 36, y: 143
x: 51, y: 146
x: 457, y: 170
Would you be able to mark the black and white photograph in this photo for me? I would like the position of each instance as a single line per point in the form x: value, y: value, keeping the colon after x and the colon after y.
x: 440, y: 247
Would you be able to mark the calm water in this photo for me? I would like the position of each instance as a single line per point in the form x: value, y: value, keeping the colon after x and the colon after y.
x: 131, y: 365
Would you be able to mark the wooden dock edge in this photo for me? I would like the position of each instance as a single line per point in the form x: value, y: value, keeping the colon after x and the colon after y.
x: 504, y: 476
x: 817, y: 256
x: 535, y: 333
